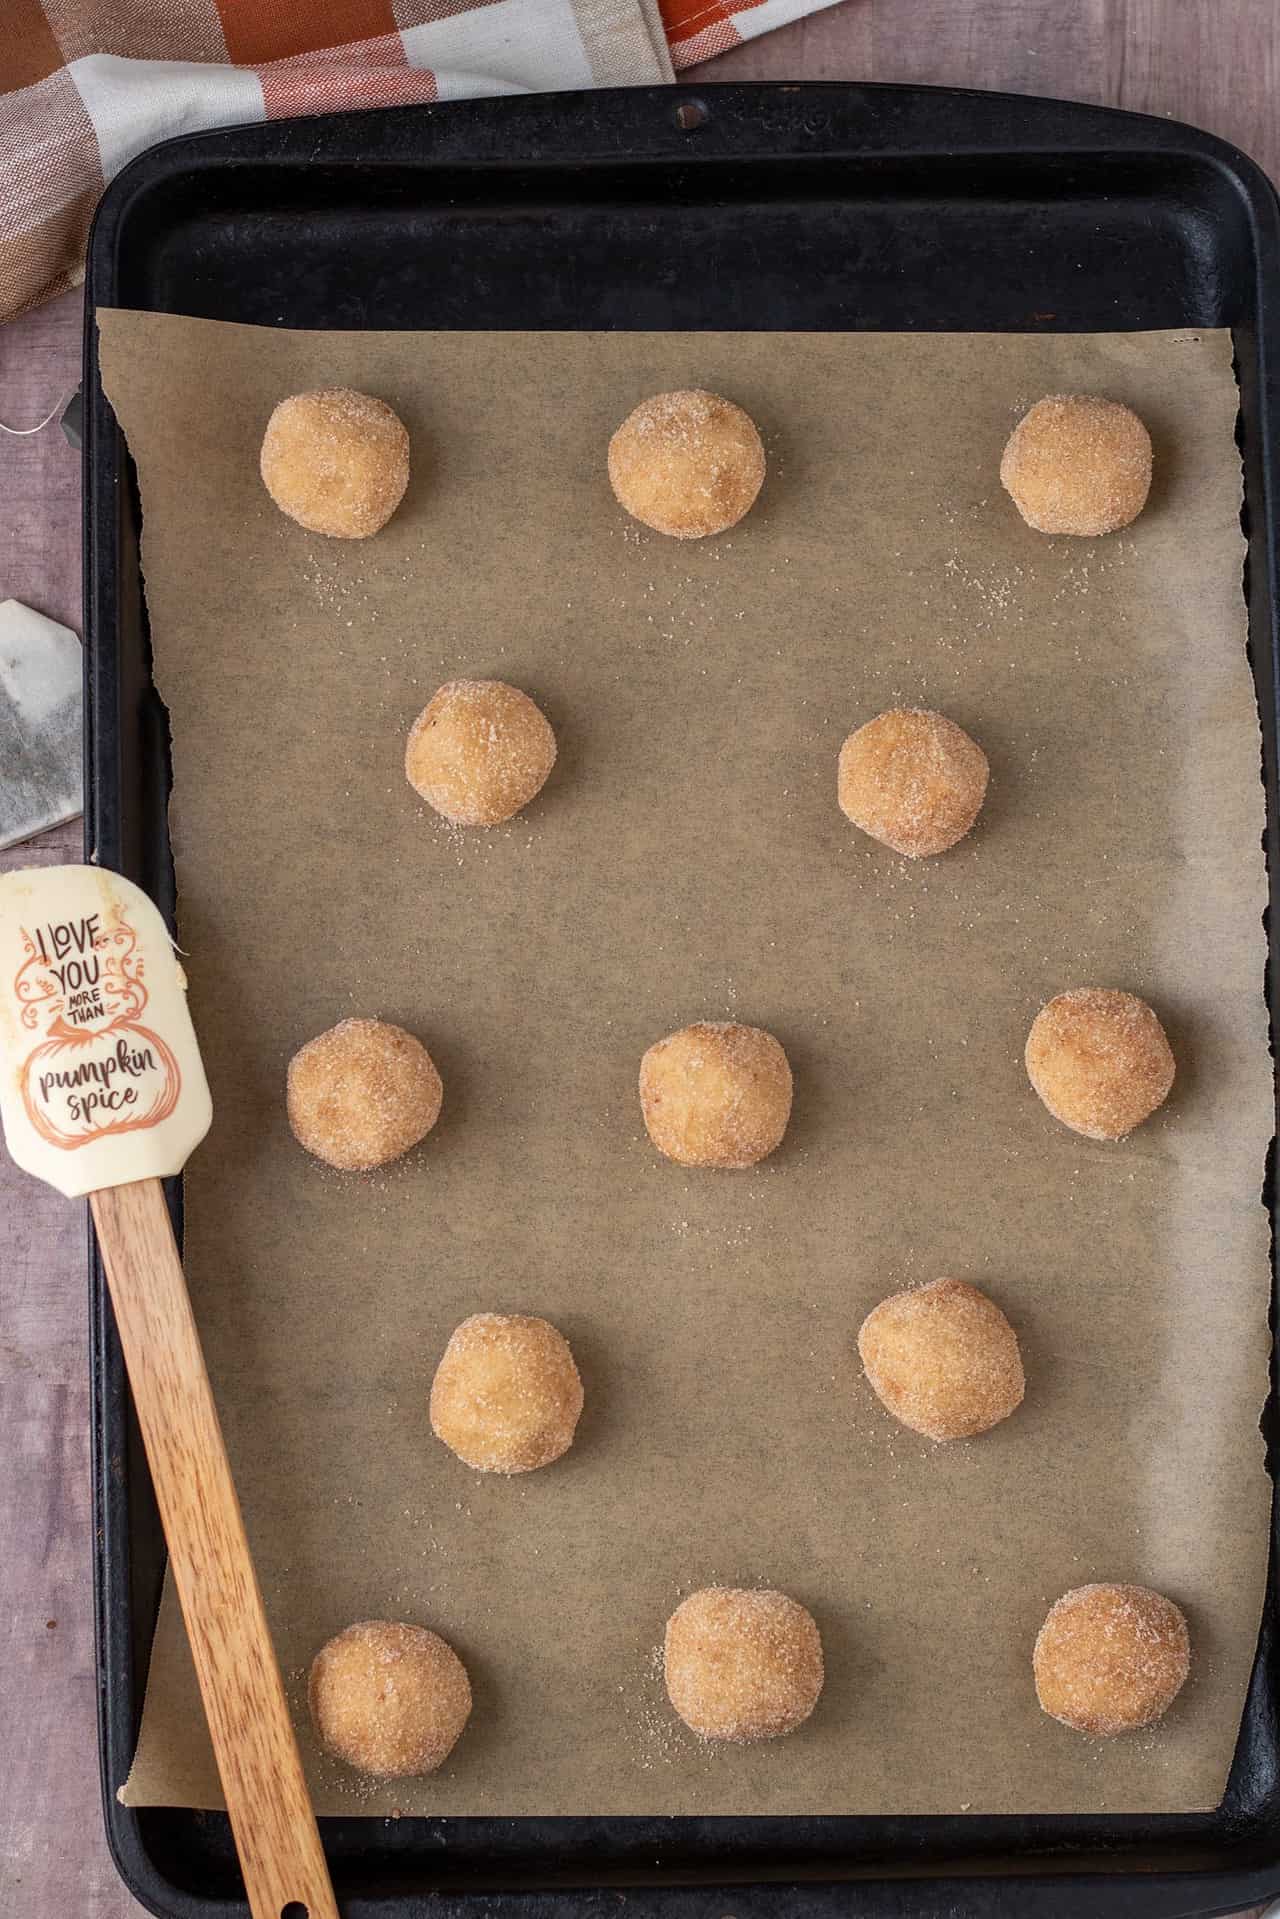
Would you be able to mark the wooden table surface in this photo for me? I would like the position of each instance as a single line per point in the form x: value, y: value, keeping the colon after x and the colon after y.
x: 1213, y: 62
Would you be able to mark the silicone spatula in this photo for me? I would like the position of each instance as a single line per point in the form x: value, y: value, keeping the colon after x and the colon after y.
x: 102, y: 1093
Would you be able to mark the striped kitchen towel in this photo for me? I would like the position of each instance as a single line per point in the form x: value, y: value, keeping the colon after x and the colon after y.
x: 87, y: 84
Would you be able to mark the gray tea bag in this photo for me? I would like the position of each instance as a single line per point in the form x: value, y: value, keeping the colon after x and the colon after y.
x: 40, y: 723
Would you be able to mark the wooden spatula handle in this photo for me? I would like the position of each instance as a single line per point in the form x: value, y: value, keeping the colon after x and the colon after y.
x: 275, y: 1829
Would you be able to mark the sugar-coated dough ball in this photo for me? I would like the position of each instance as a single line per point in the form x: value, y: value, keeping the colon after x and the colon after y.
x: 1099, y: 1060
x: 1111, y: 1659
x: 716, y: 1094
x: 944, y: 1359
x: 390, y: 1700
x: 506, y: 1396
x: 336, y: 461
x: 687, y: 464
x: 742, y: 1664
x: 479, y: 751
x: 913, y: 780
x: 1075, y: 464
x: 362, y: 1093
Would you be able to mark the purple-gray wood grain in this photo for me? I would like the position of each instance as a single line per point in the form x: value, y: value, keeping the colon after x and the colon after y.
x: 1213, y: 62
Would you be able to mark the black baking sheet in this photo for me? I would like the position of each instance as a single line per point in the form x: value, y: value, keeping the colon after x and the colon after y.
x: 823, y: 208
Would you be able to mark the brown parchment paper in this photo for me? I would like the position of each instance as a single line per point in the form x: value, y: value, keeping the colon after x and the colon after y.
x: 688, y: 859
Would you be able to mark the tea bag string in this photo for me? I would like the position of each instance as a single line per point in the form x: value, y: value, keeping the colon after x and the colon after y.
x: 24, y: 432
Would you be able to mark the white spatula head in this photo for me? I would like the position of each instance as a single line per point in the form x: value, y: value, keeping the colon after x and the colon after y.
x: 101, y: 1081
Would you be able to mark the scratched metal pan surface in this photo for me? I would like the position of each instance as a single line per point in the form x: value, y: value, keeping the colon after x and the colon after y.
x: 764, y: 207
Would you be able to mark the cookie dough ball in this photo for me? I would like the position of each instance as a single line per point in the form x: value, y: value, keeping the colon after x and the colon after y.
x: 913, y: 780
x: 390, y: 1700
x: 1099, y: 1060
x: 506, y: 1396
x: 742, y: 1665
x: 362, y: 1094
x: 1111, y: 1659
x: 944, y: 1359
x: 1075, y: 464
x: 687, y: 464
x: 479, y: 751
x: 336, y: 461
x: 716, y: 1094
